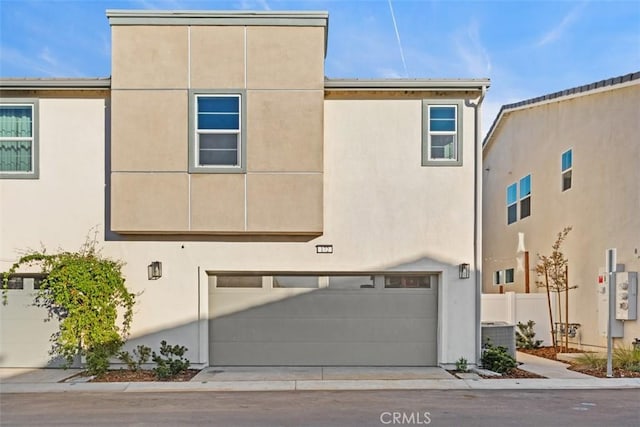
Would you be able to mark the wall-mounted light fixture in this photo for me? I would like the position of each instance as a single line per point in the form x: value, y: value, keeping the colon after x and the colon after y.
x: 154, y: 270
x: 324, y: 249
x: 464, y: 271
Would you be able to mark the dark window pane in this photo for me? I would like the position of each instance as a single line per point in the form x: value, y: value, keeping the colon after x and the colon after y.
x: 15, y: 283
x: 351, y: 282
x: 508, y: 275
x: 218, y: 157
x: 220, y: 141
x: 219, y: 121
x: 239, y: 282
x: 566, y: 180
x: 443, y: 147
x: 525, y: 207
x: 37, y: 282
x: 218, y: 104
x: 397, y: 281
x: 497, y: 278
x: 512, y: 213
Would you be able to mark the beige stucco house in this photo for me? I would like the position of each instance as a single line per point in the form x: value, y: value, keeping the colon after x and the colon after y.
x: 568, y: 159
x: 297, y: 220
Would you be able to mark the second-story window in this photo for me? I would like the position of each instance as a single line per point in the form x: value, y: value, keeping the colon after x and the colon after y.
x: 217, y: 141
x: 525, y: 197
x: 18, y: 149
x: 441, y: 138
x: 218, y: 130
x: 512, y: 203
x: 567, y: 167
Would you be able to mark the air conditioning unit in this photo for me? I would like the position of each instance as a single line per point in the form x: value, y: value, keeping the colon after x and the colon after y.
x: 500, y: 334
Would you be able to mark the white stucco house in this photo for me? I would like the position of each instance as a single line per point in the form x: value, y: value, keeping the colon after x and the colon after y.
x: 298, y: 220
x: 568, y: 159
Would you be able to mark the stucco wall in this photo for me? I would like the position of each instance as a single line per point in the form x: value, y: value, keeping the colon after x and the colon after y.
x: 602, y: 206
x: 279, y: 73
x: 383, y: 212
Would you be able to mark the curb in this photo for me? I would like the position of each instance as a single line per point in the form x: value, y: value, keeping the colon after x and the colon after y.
x: 328, y: 385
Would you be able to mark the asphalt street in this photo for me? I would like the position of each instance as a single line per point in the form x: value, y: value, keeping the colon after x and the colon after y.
x: 328, y: 408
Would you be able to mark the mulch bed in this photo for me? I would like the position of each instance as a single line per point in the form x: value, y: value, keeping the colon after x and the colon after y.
x: 515, y: 373
x: 550, y: 353
x: 124, y: 376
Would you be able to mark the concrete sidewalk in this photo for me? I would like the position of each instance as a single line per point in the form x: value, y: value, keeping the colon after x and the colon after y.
x: 547, y: 368
x: 316, y: 378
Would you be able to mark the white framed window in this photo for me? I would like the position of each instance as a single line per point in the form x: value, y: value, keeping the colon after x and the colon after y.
x: 442, y: 140
x: 217, y: 132
x: 509, y: 275
x: 19, y: 138
x: 498, y: 277
x: 512, y: 203
x: 504, y: 277
x: 567, y: 169
x: 525, y: 197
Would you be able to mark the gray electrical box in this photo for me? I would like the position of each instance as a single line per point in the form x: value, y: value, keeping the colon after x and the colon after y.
x: 627, y: 295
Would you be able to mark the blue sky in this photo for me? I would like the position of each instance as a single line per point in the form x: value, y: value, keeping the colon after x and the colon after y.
x: 527, y: 48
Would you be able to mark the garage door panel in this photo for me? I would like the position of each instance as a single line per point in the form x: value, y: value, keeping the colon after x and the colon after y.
x: 343, y: 329
x: 312, y: 353
x: 302, y: 327
x: 326, y: 303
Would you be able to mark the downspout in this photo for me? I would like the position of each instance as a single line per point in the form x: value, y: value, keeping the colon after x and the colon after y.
x: 477, y: 222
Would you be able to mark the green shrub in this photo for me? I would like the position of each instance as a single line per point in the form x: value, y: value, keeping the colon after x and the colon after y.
x: 141, y: 355
x: 86, y: 293
x: 170, y: 362
x: 98, y: 357
x: 591, y: 360
x: 497, y: 359
x: 525, y: 336
x: 626, y: 358
x: 462, y: 365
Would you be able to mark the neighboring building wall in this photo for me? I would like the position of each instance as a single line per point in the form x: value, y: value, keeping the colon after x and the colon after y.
x: 603, y: 204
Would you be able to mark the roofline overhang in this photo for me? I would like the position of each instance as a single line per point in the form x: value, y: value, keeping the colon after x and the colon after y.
x: 407, y: 84
x: 103, y: 83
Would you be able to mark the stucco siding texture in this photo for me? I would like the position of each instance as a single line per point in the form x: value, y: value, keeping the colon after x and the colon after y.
x: 602, y: 204
x: 280, y: 73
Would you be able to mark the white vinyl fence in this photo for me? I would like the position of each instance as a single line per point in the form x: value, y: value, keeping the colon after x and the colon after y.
x: 512, y: 308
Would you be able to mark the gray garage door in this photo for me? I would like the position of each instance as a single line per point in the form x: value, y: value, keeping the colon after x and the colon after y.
x: 24, y: 332
x: 372, y: 320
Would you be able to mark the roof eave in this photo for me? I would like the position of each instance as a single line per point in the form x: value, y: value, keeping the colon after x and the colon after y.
x: 56, y: 84
x: 407, y: 84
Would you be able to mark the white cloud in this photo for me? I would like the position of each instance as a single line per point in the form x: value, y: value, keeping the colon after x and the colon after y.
x: 471, y: 51
x: 161, y: 4
x: 44, y: 63
x: 254, y: 5
x: 559, y: 29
